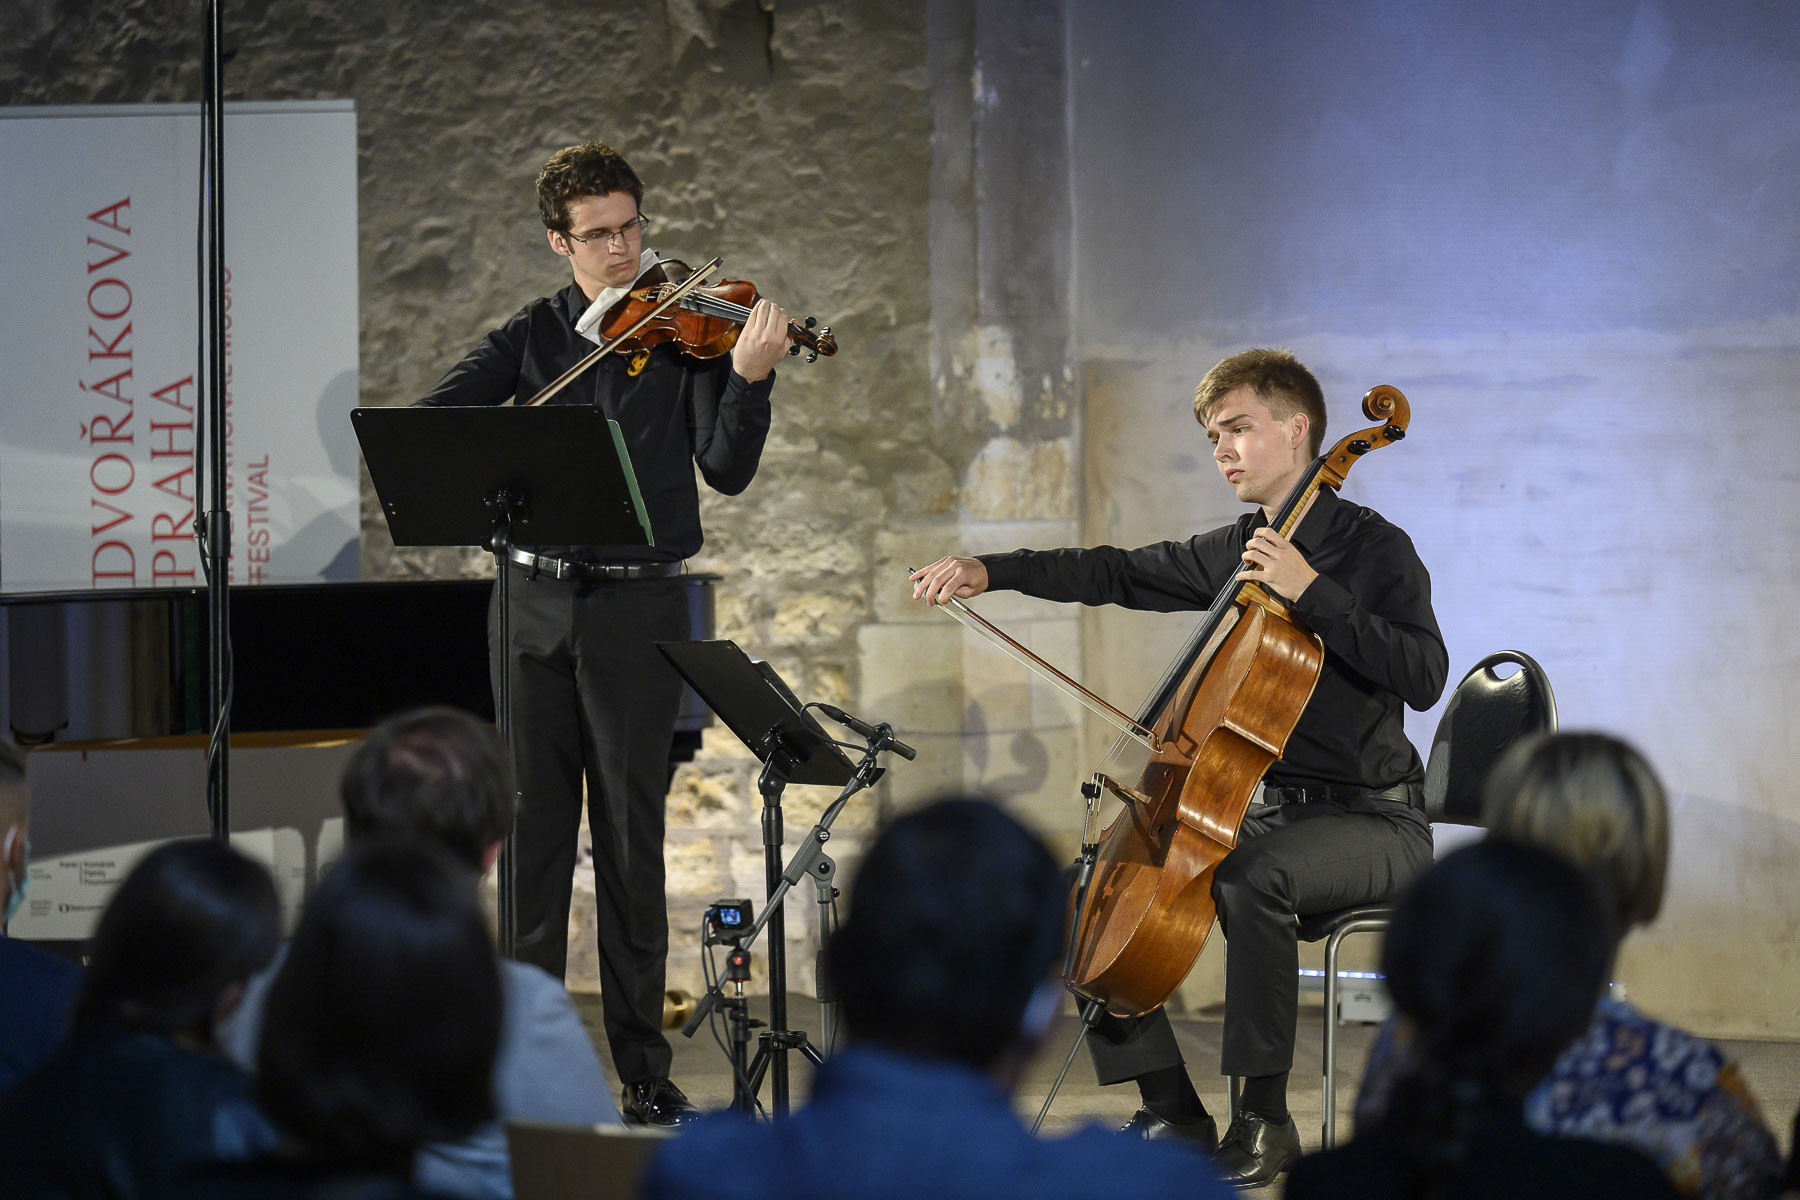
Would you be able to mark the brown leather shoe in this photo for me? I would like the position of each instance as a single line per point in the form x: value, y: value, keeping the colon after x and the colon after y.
x: 1146, y: 1124
x: 1254, y: 1151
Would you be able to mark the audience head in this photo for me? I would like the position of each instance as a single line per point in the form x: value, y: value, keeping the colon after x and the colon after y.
x: 1594, y: 800
x: 1495, y: 959
x: 15, y: 828
x: 380, y: 1030
x: 955, y: 923
x: 434, y: 774
x: 180, y: 938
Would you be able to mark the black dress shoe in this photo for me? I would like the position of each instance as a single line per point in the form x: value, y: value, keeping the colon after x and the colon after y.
x: 656, y: 1102
x: 1146, y: 1124
x: 1254, y: 1151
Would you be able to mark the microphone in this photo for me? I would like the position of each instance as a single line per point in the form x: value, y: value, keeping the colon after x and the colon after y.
x: 884, y: 733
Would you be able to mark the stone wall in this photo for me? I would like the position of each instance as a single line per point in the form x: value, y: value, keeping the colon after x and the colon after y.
x: 1032, y: 225
x: 1561, y: 234
x: 791, y: 138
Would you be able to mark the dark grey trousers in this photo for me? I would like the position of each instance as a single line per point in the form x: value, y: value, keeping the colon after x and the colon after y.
x: 1299, y: 859
x: 591, y: 694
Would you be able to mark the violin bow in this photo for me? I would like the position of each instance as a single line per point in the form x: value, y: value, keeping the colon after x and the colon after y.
x: 675, y: 296
x: 993, y: 633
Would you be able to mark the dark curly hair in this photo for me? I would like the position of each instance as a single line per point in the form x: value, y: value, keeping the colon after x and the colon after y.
x: 590, y: 169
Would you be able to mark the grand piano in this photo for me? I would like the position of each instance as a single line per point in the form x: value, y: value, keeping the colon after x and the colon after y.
x: 109, y: 689
x: 111, y: 667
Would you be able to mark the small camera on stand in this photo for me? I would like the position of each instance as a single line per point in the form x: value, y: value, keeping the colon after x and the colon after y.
x: 727, y: 921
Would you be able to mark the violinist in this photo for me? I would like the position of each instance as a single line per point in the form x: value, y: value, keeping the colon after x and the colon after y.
x: 591, y: 696
x: 1340, y: 820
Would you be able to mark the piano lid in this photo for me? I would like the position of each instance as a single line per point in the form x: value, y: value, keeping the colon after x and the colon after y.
x: 86, y: 667
x: 98, y: 666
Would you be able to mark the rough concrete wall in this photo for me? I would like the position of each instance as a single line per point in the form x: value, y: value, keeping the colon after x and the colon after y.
x: 1005, y: 396
x: 789, y: 137
x: 1568, y: 234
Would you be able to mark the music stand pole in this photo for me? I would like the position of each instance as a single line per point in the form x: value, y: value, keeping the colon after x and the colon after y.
x: 506, y: 504
x: 809, y: 860
x: 479, y: 476
x: 768, y: 718
x: 769, y: 783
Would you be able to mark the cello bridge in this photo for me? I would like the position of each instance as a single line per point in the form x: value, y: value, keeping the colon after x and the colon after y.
x: 1128, y: 795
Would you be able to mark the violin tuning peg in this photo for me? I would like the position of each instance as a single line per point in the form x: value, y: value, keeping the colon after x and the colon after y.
x: 813, y: 357
x: 825, y: 332
x: 793, y: 349
x: 811, y: 321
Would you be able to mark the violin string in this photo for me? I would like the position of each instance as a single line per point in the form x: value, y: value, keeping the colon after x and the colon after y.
x: 712, y: 306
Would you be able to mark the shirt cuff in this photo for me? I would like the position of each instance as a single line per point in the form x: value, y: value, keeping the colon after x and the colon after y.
x: 751, y: 391
x: 1325, y: 600
x: 1005, y: 571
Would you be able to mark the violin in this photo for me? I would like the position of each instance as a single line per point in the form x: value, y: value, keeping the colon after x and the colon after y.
x: 703, y: 321
x: 1188, y: 763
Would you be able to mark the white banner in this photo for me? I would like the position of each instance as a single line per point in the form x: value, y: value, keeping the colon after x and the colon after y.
x: 98, y: 356
x: 69, y: 891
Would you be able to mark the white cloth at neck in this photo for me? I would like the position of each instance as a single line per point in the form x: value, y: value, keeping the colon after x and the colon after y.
x: 588, y: 326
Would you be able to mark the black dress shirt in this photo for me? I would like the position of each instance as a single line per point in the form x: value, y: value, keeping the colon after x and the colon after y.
x: 1371, y: 605
x: 676, y: 412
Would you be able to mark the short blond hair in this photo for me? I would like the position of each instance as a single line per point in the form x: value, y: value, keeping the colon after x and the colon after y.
x: 1594, y: 799
x: 1278, y: 378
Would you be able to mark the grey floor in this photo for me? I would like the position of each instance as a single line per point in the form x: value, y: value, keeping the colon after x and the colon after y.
x: 1772, y: 1069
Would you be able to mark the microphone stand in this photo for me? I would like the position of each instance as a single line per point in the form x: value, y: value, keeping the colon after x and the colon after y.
x: 212, y: 518
x: 809, y: 860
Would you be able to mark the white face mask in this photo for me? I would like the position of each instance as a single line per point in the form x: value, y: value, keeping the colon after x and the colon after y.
x: 15, y: 889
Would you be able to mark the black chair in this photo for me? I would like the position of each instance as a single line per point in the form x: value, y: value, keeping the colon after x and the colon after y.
x: 1486, y: 714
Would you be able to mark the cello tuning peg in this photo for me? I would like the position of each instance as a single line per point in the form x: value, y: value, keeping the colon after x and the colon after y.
x: 811, y: 321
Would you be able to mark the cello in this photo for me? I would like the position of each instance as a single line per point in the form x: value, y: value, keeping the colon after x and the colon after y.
x: 1186, y: 766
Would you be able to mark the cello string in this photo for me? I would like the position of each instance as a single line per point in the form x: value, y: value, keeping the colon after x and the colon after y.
x: 1208, y: 632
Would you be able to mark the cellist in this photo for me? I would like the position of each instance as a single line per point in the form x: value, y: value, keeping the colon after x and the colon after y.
x: 1340, y: 821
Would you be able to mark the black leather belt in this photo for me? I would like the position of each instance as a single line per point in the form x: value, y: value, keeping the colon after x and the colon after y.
x: 1334, y: 793
x: 564, y: 568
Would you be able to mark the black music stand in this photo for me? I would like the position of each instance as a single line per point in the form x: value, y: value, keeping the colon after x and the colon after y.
x: 476, y: 476
x: 757, y: 705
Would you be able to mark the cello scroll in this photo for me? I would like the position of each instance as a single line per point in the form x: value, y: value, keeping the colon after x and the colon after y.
x: 1385, y: 403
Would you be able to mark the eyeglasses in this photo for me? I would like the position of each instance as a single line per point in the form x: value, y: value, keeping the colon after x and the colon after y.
x: 631, y: 229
